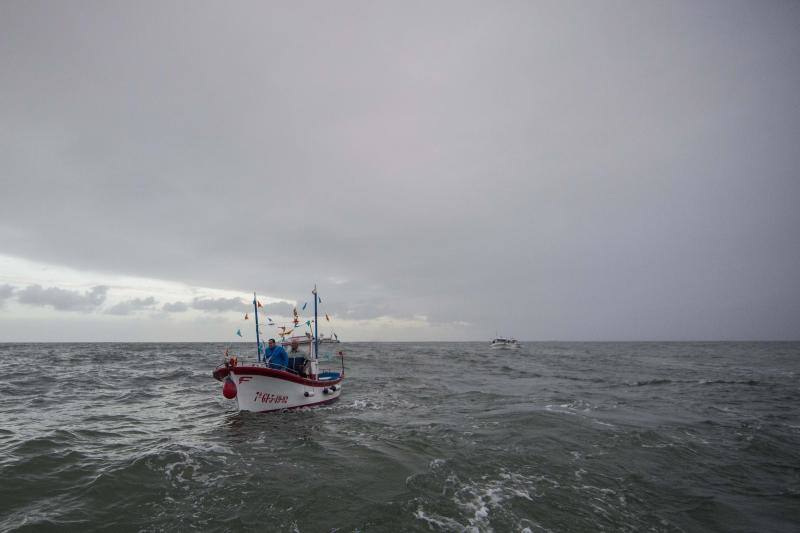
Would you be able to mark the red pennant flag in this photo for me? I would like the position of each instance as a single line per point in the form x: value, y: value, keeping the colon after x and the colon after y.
x: 246, y: 317
x: 327, y: 317
x: 259, y: 304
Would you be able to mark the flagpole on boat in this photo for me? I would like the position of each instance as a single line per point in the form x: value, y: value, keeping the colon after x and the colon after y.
x: 258, y: 339
x: 316, y: 329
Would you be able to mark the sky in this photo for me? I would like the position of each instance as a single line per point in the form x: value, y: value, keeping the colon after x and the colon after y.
x: 443, y: 170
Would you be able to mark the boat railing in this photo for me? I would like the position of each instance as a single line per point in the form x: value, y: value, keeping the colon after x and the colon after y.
x: 296, y: 365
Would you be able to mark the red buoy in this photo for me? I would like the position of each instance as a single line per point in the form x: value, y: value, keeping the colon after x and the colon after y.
x: 229, y: 389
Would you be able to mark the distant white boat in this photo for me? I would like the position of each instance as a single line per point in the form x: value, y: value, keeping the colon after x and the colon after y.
x: 502, y: 343
x: 331, y: 339
x: 299, y: 340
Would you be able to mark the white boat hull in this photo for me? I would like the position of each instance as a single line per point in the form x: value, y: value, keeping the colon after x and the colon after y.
x: 504, y: 346
x: 262, y: 389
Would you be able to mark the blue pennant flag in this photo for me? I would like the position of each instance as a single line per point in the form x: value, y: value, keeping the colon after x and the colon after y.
x: 239, y: 332
x: 318, y: 298
x: 304, y: 306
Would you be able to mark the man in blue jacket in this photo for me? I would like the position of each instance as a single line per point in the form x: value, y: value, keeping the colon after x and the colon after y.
x: 276, y: 356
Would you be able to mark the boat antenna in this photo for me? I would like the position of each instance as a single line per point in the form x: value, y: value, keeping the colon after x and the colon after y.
x: 316, y: 329
x: 258, y: 339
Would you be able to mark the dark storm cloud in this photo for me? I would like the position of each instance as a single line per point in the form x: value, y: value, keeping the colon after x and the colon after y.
x: 220, y: 304
x: 175, y: 307
x: 130, y: 306
x: 575, y: 171
x: 63, y: 299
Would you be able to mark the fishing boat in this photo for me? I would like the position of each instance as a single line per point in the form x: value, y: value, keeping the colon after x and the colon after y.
x: 502, y: 343
x: 297, y: 339
x: 330, y: 339
x: 260, y: 386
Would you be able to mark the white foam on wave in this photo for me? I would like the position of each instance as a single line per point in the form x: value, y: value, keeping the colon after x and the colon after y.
x: 480, y: 500
x: 592, y: 488
x: 188, y: 468
x: 440, y: 522
x: 436, y: 463
x: 388, y: 403
x: 185, y: 470
x: 559, y: 409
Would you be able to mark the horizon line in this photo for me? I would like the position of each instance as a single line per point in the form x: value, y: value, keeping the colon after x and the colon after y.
x: 409, y: 341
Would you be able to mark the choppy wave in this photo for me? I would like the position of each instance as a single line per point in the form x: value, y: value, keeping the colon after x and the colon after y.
x: 426, y: 437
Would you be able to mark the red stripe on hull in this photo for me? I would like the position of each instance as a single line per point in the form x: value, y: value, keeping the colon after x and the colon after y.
x: 221, y: 372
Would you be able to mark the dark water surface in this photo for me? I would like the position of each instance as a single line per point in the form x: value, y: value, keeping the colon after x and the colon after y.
x: 426, y: 437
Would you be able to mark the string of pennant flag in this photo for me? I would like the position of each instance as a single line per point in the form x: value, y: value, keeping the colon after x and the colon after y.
x: 296, y: 321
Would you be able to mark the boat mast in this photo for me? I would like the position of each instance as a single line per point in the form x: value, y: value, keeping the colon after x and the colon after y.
x: 258, y: 339
x: 316, y: 329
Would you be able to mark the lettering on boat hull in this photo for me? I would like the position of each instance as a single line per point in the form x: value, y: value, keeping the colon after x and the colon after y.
x: 266, y: 397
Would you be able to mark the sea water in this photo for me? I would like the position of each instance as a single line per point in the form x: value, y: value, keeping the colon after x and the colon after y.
x: 426, y: 437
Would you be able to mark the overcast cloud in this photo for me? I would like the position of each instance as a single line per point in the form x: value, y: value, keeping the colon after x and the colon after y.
x: 175, y: 307
x: 130, y: 306
x: 63, y: 299
x: 219, y: 304
x: 5, y: 293
x: 549, y: 170
x: 280, y: 309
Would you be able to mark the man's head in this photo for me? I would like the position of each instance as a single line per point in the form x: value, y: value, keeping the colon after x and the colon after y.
x: 271, y: 343
x: 294, y: 343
